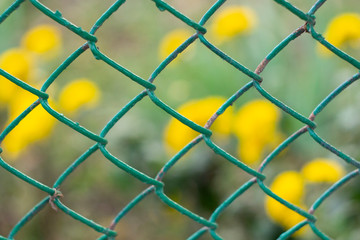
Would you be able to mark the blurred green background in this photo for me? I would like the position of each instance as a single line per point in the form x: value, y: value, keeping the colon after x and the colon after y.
x: 298, y: 76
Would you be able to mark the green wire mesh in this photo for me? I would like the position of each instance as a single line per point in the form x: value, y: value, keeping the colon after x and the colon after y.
x: 155, y: 184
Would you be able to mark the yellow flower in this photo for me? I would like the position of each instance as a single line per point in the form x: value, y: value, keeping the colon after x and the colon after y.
x: 172, y: 41
x: 323, y: 170
x: 19, y: 64
x: 177, y: 135
x: 288, y: 185
x: 36, y: 126
x: 44, y: 40
x: 80, y: 93
x: 255, y: 124
x: 232, y: 21
x: 283, y: 215
x: 342, y: 30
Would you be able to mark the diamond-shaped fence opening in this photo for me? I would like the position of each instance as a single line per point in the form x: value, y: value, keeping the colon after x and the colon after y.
x: 205, y: 163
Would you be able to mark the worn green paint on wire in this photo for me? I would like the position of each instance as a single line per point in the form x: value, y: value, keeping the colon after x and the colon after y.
x: 293, y: 9
x: 86, y: 221
x: 334, y: 49
x: 10, y: 10
x: 333, y: 188
x: 75, y: 164
x: 316, y: 6
x: 234, y: 97
x: 198, y: 234
x: 177, y: 156
x: 63, y: 66
x: 294, y: 229
x: 183, y: 210
x: 231, y: 199
x: 332, y: 149
x: 172, y: 56
x: 335, y: 93
x: 211, y: 11
x: 215, y: 235
x: 37, y: 208
x: 74, y: 125
x: 66, y: 23
x: 284, y: 107
x: 26, y: 178
x: 232, y: 159
x: 319, y: 233
x: 121, y: 113
x: 281, y: 147
x: 285, y: 42
x: 228, y: 59
x: 100, y: 56
x: 17, y: 120
x: 178, y: 116
x: 139, y: 175
x: 155, y: 184
x: 106, y: 15
x: 286, y: 203
x: 164, y: 6
x: 24, y: 85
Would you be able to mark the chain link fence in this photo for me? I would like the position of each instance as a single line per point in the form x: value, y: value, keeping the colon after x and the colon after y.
x: 156, y: 184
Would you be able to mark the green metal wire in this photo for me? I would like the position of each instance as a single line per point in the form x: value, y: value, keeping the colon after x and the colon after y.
x: 332, y: 189
x: 10, y: 10
x: 17, y: 120
x: 24, y: 85
x: 66, y: 23
x: 37, y: 208
x: 156, y: 185
x: 294, y: 229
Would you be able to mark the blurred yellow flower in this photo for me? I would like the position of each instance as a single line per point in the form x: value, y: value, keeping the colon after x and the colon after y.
x: 35, y: 126
x: 38, y: 124
x: 177, y: 135
x: 323, y: 170
x: 232, y: 21
x: 172, y: 41
x: 341, y: 31
x: 17, y: 62
x: 255, y: 125
x: 80, y: 93
x: 283, y: 215
x: 43, y: 40
x: 288, y: 185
